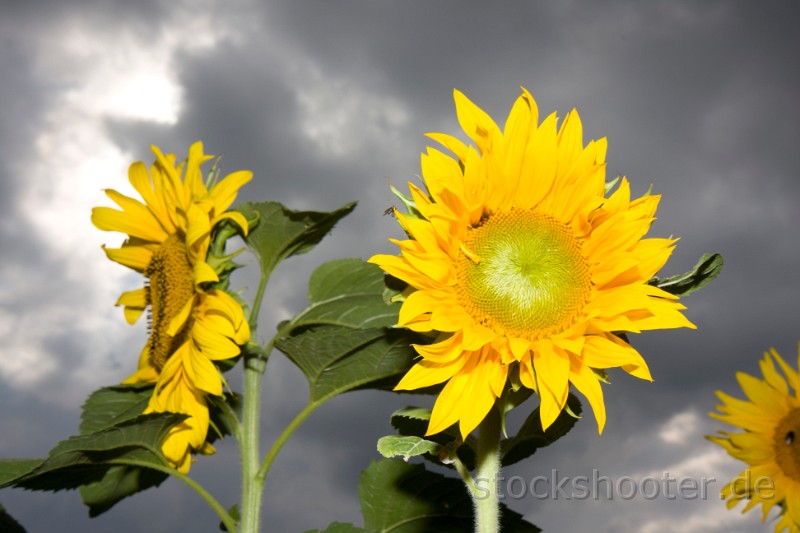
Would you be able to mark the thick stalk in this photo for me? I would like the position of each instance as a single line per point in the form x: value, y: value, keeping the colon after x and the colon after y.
x: 487, y: 504
x: 251, y: 485
x: 254, y: 366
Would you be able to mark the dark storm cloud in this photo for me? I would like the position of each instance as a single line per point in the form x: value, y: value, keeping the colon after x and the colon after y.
x: 20, y: 116
x: 698, y: 99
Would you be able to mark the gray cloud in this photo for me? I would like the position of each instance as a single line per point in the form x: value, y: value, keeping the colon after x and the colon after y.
x: 326, y: 101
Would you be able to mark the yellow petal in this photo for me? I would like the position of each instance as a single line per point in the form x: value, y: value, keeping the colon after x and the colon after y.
x: 587, y: 383
x: 135, y: 257
x: 552, y: 377
x: 427, y: 373
x: 135, y: 225
x: 474, y: 121
x: 202, y: 373
x: 179, y: 320
x: 214, y: 345
x: 224, y: 192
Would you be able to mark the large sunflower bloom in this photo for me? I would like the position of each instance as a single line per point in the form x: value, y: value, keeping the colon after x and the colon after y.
x: 169, y: 235
x: 770, y: 443
x: 516, y: 257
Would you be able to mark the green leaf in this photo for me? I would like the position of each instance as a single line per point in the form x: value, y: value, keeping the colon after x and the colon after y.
x: 340, y: 341
x: 8, y: 524
x: 337, y: 359
x: 707, y: 268
x: 118, y: 482
x: 111, y: 405
x: 347, y: 292
x: 406, y: 447
x: 11, y: 469
x: 340, y: 527
x: 85, y: 459
x: 103, y: 409
x: 403, y: 498
x: 531, y: 436
x: 413, y: 421
x: 281, y: 233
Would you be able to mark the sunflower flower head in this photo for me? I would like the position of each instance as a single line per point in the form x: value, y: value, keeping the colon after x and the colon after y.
x: 516, y: 258
x: 769, y: 444
x: 192, y: 323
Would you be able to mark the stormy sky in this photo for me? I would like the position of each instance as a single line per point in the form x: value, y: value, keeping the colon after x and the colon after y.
x: 326, y: 101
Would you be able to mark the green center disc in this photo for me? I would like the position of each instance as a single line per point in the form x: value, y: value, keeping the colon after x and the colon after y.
x: 531, y: 279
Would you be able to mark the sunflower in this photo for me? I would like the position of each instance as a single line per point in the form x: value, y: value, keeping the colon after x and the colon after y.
x: 770, y: 443
x: 191, y: 324
x: 515, y: 257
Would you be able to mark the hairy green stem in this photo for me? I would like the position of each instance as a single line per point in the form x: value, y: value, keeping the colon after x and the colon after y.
x: 487, y: 504
x: 255, y: 363
x: 251, y: 485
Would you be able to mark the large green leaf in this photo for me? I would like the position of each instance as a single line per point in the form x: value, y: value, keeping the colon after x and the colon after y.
x: 281, y: 232
x: 336, y: 359
x: 102, y: 409
x: 341, y: 341
x: 707, y: 268
x: 11, y: 469
x: 531, y: 436
x: 9, y: 525
x: 347, y: 292
x: 109, y: 406
x: 85, y: 459
x: 403, y: 498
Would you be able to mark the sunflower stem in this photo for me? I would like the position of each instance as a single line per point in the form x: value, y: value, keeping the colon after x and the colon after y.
x: 487, y: 468
x: 255, y: 362
x: 251, y: 487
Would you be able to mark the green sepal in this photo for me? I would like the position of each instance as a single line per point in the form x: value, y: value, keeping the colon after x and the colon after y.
x: 224, y: 266
x: 408, y: 203
x: 531, y: 436
x: 707, y: 268
x: 281, y: 232
x: 610, y: 184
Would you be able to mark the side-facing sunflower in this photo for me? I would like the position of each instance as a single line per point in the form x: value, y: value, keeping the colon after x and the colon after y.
x: 192, y: 325
x: 770, y: 443
x: 516, y: 257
